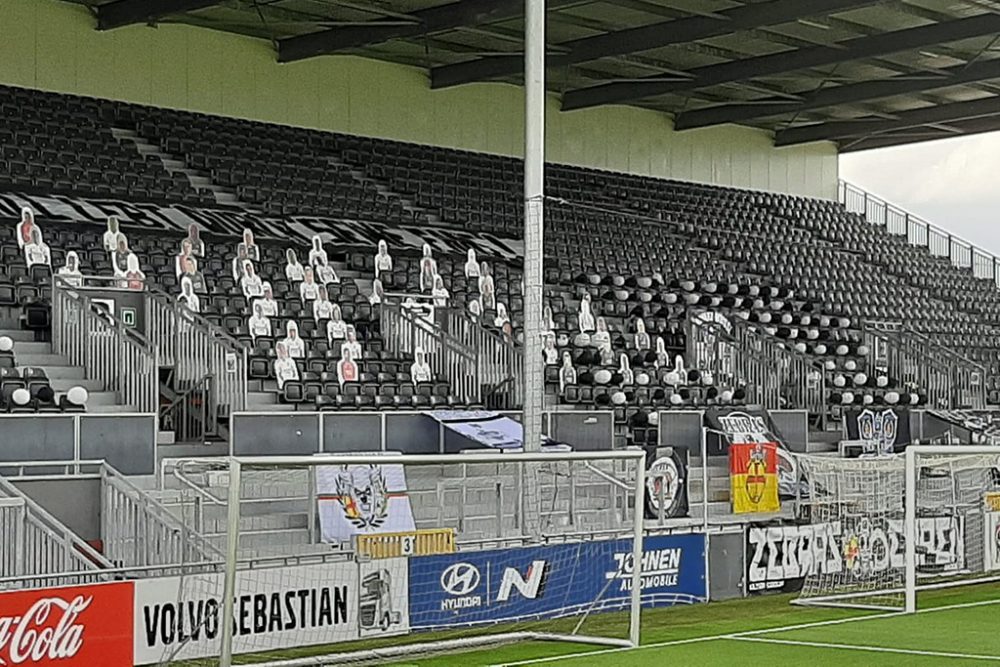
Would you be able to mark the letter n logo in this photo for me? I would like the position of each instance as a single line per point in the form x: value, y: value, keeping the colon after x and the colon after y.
x: 529, y: 586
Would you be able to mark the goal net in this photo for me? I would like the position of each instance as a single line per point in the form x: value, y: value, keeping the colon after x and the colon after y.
x: 370, y: 558
x: 881, y: 530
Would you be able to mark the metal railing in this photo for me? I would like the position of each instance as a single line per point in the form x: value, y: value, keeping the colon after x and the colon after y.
x: 36, y: 543
x: 774, y: 375
x: 467, y: 369
x: 195, y: 347
x: 501, y: 364
x: 950, y: 380
x: 139, y: 531
x: 919, y: 232
x: 192, y: 415
x: 117, y: 356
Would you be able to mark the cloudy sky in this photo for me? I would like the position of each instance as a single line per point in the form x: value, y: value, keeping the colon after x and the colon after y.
x: 953, y: 183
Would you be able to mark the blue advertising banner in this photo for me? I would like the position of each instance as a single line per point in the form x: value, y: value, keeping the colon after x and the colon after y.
x: 553, y: 581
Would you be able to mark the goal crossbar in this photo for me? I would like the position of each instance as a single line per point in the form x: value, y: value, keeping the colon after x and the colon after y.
x: 238, y: 463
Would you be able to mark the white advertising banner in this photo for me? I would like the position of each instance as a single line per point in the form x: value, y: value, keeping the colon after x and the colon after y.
x: 179, y: 618
x: 362, y: 500
x: 384, y: 597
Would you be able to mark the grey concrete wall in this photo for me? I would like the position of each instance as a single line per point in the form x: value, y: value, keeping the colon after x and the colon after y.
x: 74, y: 502
x: 307, y: 433
x: 127, y: 442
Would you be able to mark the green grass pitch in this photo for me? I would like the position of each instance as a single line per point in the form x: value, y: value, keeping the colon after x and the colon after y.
x: 954, y: 627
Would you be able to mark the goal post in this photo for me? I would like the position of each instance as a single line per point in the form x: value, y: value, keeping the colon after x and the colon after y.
x: 981, y: 466
x: 878, y: 531
x: 557, y: 559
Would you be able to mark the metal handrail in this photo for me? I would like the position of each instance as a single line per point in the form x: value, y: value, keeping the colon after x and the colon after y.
x: 405, y: 332
x: 919, y: 232
x: 950, y: 380
x: 118, y: 356
x: 139, y: 530
x: 196, y: 347
x: 500, y: 361
x: 42, y: 544
x: 188, y: 423
x: 773, y: 372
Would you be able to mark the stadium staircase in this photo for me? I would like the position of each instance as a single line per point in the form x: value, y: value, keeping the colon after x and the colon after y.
x: 137, y: 531
x: 36, y: 543
x: 176, y: 166
x: 38, y: 364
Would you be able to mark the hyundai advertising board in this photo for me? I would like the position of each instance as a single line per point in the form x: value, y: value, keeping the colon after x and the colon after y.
x: 552, y: 581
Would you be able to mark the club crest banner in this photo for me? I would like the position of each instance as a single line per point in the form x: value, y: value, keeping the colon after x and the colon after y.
x: 362, y: 500
x: 753, y: 475
x: 886, y: 429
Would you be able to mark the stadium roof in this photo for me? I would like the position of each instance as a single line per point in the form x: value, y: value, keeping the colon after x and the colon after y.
x: 862, y: 73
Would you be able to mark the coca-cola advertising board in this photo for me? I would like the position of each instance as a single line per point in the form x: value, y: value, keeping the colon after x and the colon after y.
x: 75, y: 626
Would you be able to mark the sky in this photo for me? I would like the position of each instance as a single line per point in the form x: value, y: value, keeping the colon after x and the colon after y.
x: 952, y: 183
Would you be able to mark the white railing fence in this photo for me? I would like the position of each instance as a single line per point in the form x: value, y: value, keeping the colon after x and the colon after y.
x: 117, y: 356
x: 138, y: 531
x: 195, y: 347
x: 36, y: 543
x: 919, y: 232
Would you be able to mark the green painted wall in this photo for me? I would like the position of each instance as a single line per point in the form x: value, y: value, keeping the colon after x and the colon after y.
x: 51, y: 45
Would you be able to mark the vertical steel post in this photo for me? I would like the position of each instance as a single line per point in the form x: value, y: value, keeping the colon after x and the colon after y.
x: 639, y: 513
x: 910, y: 530
x: 232, y: 553
x: 534, y: 216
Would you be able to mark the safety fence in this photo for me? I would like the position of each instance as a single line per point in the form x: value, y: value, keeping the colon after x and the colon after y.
x: 919, y: 232
x: 472, y: 360
x: 772, y: 373
x: 89, y: 336
x: 36, y: 543
x: 950, y: 380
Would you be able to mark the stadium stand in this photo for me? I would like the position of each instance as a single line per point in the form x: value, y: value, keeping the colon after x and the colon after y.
x: 802, y: 275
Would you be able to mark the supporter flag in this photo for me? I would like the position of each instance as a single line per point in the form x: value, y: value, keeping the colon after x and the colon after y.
x: 753, y: 475
x: 362, y: 499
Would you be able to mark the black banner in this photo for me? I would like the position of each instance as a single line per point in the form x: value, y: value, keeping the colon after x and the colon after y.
x: 886, y: 429
x: 779, y: 557
x: 740, y: 425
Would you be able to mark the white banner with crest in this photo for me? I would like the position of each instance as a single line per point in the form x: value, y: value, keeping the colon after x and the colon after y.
x: 362, y: 500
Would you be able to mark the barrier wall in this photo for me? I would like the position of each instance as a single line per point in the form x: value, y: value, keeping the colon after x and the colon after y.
x: 306, y: 433
x: 144, y: 621
x: 127, y: 441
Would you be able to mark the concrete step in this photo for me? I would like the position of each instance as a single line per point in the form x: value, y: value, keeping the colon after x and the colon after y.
x: 71, y: 374
x: 41, y: 360
x: 62, y: 384
x: 18, y: 336
x: 106, y: 409
x: 102, y: 398
x: 258, y: 398
x: 22, y: 348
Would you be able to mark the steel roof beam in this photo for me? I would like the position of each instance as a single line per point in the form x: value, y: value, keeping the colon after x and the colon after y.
x: 645, y: 38
x: 434, y: 19
x: 866, y: 128
x: 128, y: 12
x: 857, y: 93
x: 951, y: 130
x: 789, y: 61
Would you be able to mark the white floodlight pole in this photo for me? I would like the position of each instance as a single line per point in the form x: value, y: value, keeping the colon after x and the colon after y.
x: 534, y: 217
x: 910, y: 530
x: 232, y: 553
